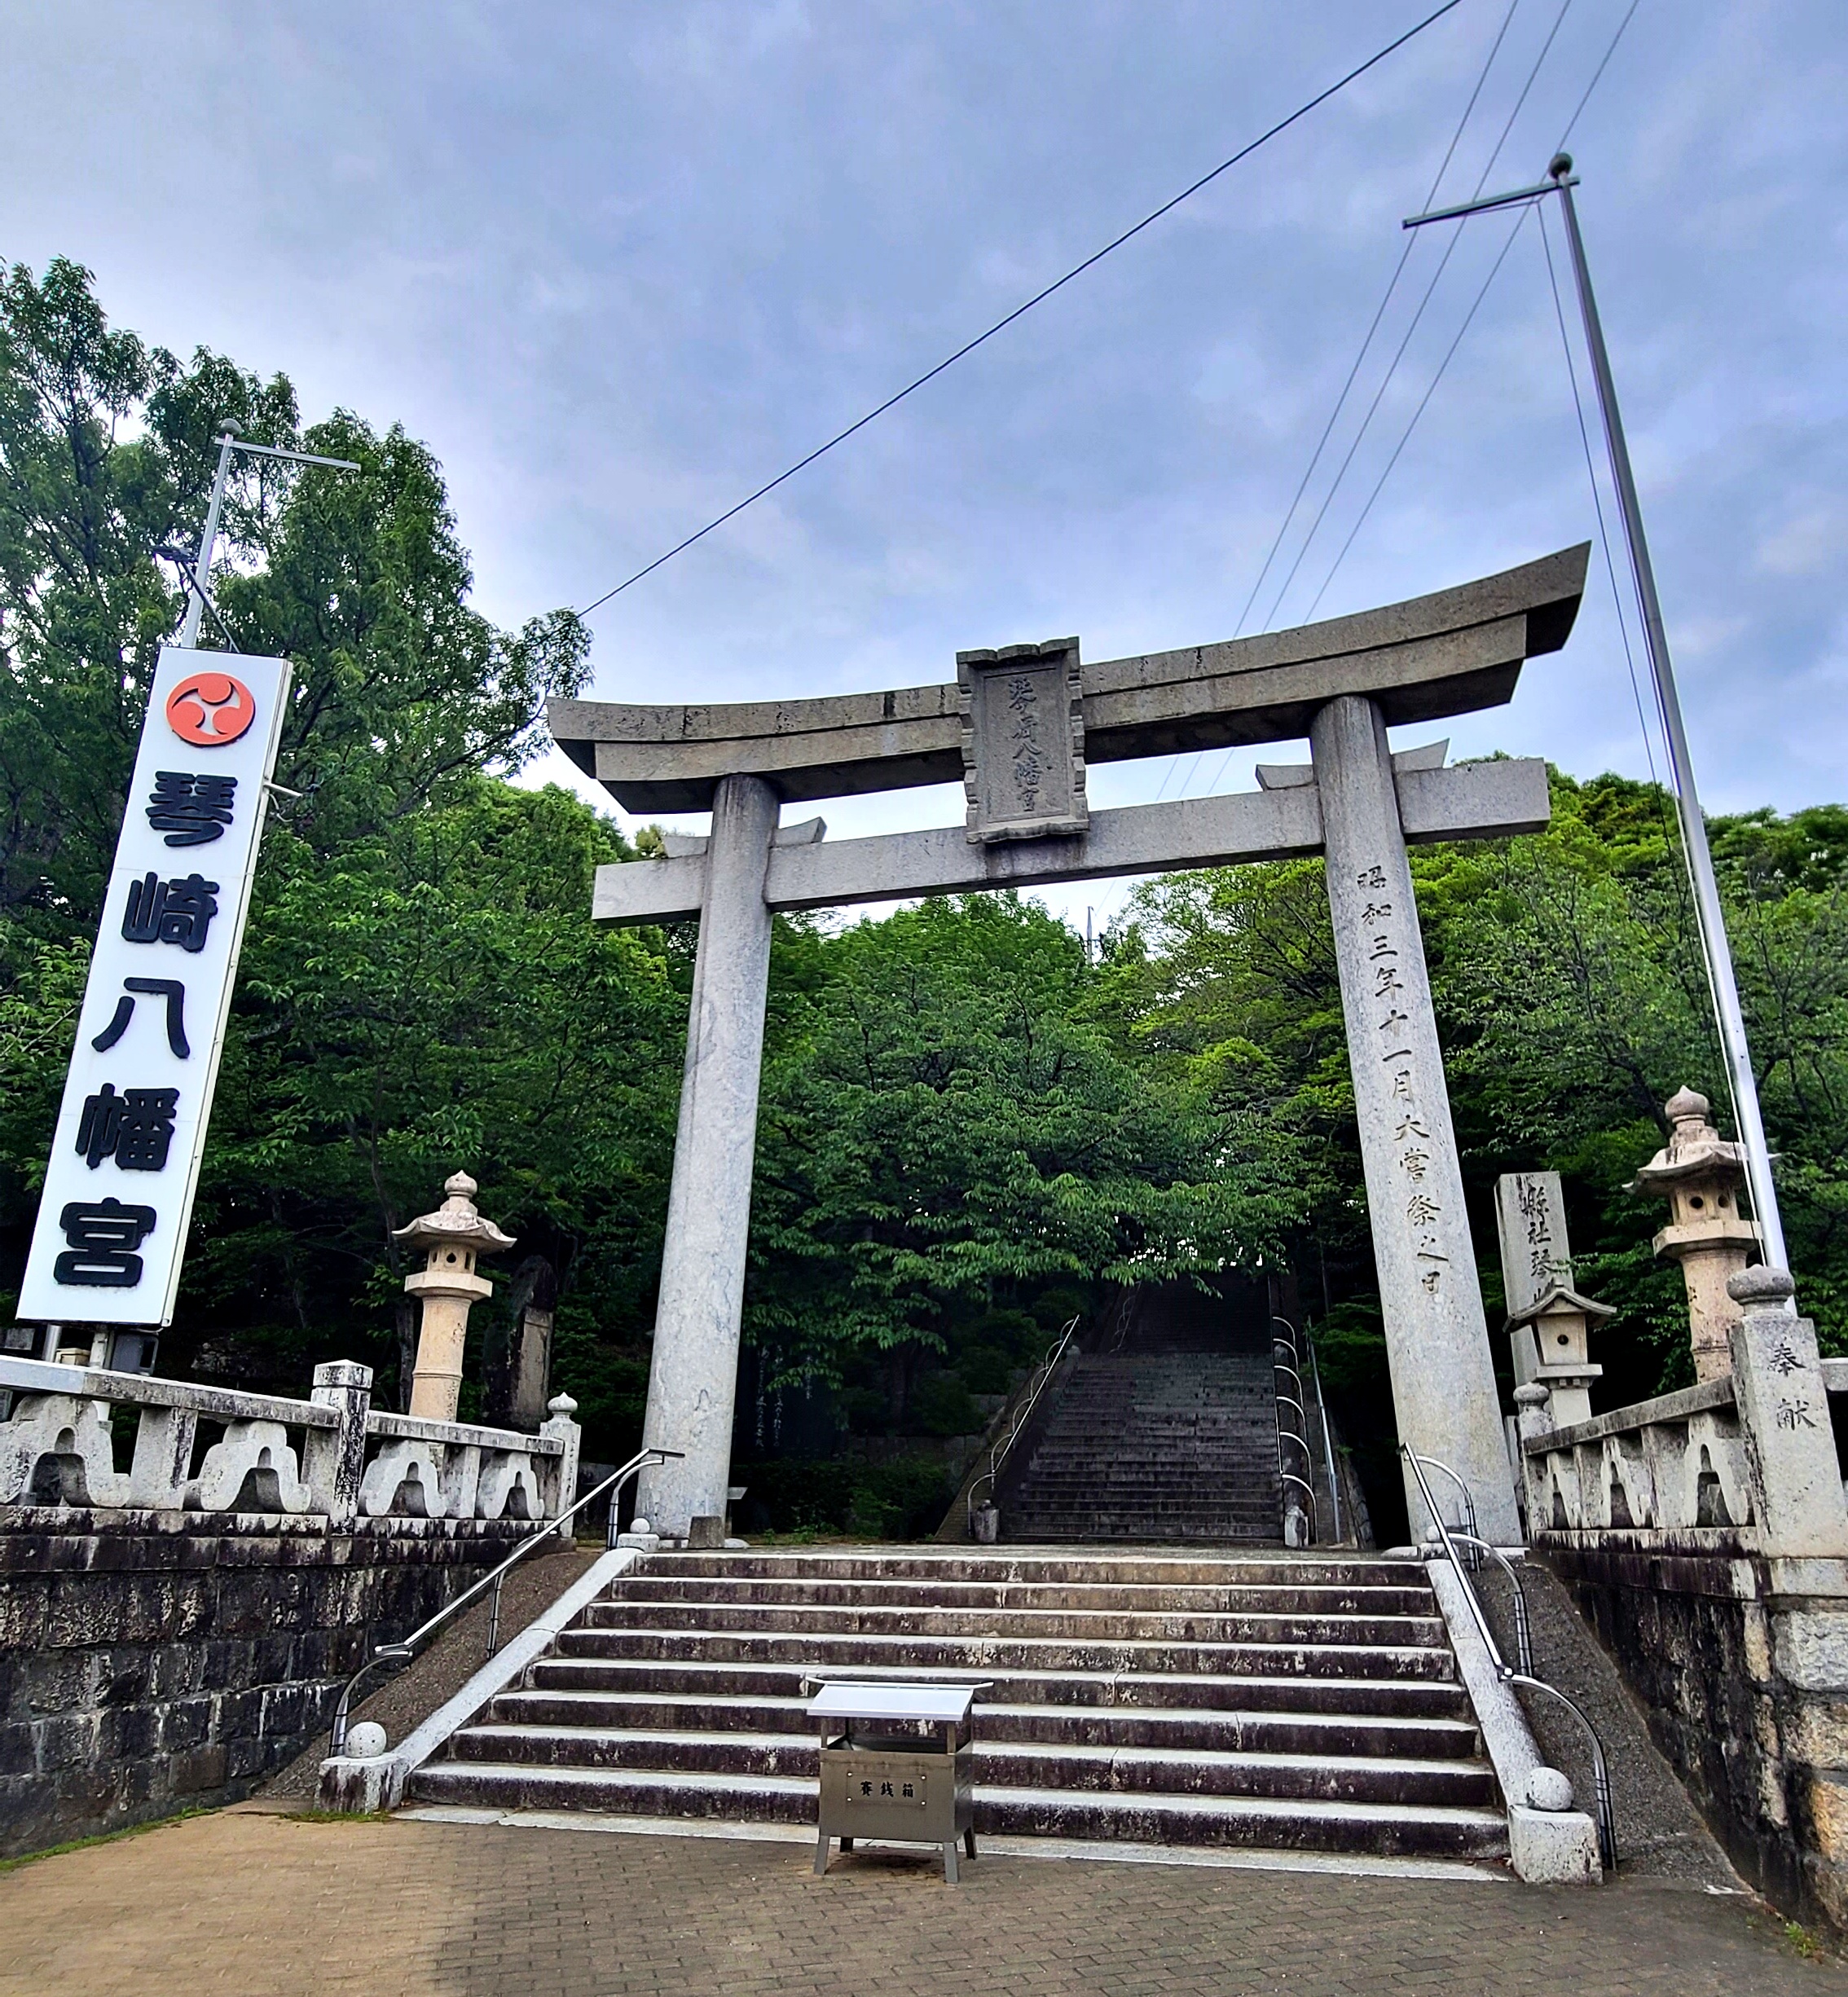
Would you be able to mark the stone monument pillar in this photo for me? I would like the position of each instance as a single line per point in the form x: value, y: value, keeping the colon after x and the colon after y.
x: 1548, y: 1321
x: 693, y: 1381
x: 1437, y: 1340
x: 1700, y: 1174
x: 1783, y: 1405
x: 445, y: 1286
x: 529, y: 1384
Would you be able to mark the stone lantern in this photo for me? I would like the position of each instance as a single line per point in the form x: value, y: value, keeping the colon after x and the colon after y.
x: 1700, y: 1174
x: 1552, y: 1349
x: 446, y: 1286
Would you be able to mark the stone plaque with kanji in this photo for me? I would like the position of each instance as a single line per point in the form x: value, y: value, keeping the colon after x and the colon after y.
x: 1023, y: 741
x: 1530, y: 1218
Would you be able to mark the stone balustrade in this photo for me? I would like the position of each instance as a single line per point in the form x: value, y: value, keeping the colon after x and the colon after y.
x: 333, y: 1454
x: 1675, y: 1464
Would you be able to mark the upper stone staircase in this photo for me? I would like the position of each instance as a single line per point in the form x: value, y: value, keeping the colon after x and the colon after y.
x: 1169, y: 1432
x: 1292, y: 1702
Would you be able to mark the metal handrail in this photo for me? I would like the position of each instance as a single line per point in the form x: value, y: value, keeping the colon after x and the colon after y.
x: 1522, y: 1627
x: 1600, y: 1770
x: 403, y: 1652
x: 1298, y: 1435
x: 1327, y: 1437
x: 1600, y: 1773
x: 1472, y: 1529
x: 998, y: 1454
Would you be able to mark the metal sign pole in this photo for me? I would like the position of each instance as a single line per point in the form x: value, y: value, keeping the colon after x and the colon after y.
x: 111, y: 1233
x: 1710, y: 918
x: 196, y: 597
x: 228, y: 442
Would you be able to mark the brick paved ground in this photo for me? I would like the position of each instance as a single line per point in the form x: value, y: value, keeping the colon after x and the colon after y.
x: 246, y: 1901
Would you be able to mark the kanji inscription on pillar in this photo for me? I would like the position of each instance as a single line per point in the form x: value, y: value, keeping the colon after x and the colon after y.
x: 1419, y: 1195
x: 1023, y: 741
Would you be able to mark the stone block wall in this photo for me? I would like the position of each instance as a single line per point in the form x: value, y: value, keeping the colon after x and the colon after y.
x: 153, y: 1660
x: 1741, y: 1666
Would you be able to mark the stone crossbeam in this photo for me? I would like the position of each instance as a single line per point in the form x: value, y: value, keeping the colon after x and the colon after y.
x: 1451, y: 652
x: 1474, y: 801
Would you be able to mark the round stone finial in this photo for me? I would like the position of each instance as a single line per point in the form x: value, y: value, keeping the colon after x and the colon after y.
x: 560, y: 1404
x: 1532, y: 1395
x: 1761, y: 1284
x: 458, y: 1185
x: 366, y: 1741
x: 1685, y: 1106
x: 639, y: 1524
x: 1547, y: 1788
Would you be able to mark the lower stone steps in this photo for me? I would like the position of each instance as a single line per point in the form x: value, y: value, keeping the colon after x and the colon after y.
x: 1288, y: 1702
x: 1385, y: 1831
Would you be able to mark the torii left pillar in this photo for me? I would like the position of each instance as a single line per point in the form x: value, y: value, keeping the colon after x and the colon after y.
x: 693, y: 1380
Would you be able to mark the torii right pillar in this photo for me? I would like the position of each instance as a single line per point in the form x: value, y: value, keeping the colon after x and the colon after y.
x: 1443, y: 1389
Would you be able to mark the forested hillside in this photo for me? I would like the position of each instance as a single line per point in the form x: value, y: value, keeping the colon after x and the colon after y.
x: 968, y: 1131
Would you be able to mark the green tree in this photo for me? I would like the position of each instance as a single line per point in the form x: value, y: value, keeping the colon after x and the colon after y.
x: 950, y: 1124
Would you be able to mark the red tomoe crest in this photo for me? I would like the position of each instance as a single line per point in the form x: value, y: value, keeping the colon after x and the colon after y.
x: 210, y: 709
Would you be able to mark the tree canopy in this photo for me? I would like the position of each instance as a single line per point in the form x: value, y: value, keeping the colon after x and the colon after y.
x: 968, y: 1129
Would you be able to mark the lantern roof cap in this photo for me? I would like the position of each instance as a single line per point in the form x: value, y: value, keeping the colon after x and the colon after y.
x: 1695, y: 1150
x: 456, y: 1223
x: 1561, y: 1297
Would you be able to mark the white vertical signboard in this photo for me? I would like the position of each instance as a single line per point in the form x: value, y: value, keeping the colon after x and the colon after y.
x: 124, y: 1162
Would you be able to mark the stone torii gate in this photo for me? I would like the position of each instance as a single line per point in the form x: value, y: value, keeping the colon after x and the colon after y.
x: 1018, y: 726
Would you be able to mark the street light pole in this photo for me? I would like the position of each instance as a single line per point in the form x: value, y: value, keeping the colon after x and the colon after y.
x: 229, y: 441
x: 201, y: 569
x: 1711, y: 918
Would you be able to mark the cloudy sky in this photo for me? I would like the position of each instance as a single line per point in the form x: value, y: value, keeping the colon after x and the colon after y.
x: 618, y: 264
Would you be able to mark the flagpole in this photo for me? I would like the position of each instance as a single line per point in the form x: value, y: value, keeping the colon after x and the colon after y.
x: 1710, y: 918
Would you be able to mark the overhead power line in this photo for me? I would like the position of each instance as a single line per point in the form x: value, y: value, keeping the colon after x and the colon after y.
x: 1596, y: 74
x: 1386, y: 299
x: 1039, y: 297
x: 1578, y: 109
x: 1417, y: 318
x: 1192, y: 768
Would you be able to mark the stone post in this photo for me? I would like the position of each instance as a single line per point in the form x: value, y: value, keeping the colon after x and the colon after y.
x: 560, y: 1486
x: 162, y: 1464
x: 693, y: 1382
x: 1436, y: 1338
x: 1700, y: 1175
x: 446, y: 1287
x: 334, y: 1460
x: 1532, y: 1419
x: 1548, y: 1321
x: 1783, y: 1413
x: 529, y: 1389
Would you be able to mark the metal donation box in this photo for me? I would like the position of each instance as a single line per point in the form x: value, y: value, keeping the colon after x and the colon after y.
x: 906, y: 1787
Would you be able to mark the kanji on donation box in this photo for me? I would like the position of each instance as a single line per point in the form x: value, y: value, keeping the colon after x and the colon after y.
x: 124, y: 1162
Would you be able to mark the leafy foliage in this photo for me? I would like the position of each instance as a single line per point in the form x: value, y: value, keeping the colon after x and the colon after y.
x: 950, y: 1123
x: 968, y: 1134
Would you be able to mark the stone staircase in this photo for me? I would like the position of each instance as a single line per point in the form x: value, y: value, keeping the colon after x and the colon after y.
x: 1300, y: 1703
x: 1153, y: 1446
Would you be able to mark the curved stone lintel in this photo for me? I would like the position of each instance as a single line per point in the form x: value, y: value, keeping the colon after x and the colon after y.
x: 1451, y: 653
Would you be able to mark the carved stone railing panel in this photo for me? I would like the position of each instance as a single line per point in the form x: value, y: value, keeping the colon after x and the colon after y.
x: 1676, y: 1464
x: 332, y: 1454
x: 58, y: 1449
